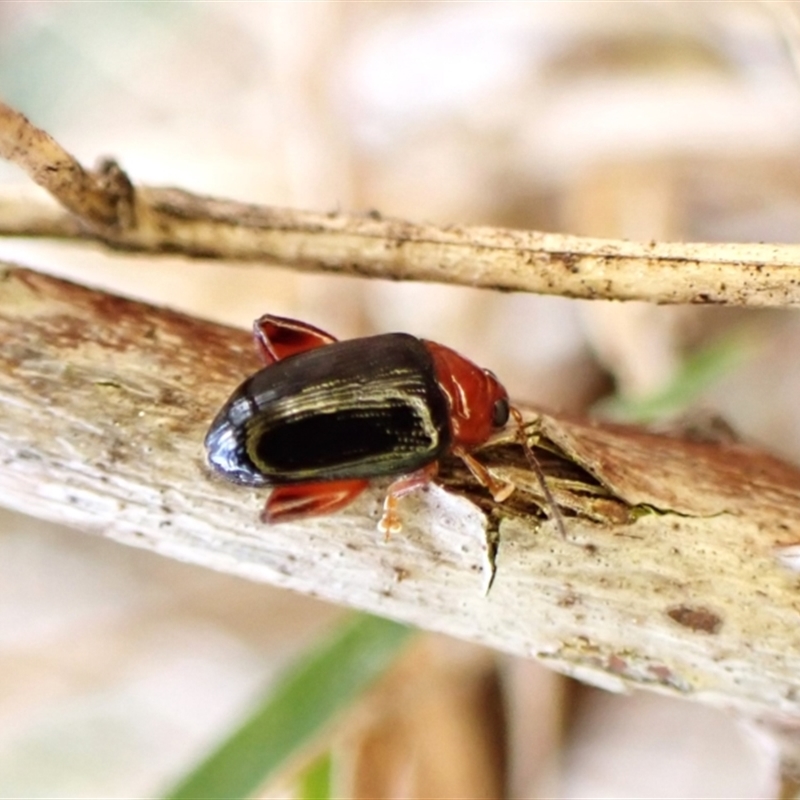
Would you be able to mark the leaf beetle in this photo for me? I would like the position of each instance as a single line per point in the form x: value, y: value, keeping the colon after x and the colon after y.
x: 324, y: 417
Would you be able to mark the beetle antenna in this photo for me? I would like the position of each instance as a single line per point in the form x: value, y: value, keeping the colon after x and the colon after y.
x: 537, y: 468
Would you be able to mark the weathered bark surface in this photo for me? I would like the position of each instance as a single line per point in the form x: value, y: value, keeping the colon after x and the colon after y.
x: 671, y: 575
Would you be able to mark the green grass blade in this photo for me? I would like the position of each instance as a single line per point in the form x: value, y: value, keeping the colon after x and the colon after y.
x: 301, y: 704
x: 315, y: 782
x: 699, y: 371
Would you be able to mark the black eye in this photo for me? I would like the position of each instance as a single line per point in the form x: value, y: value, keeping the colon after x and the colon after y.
x: 500, y: 413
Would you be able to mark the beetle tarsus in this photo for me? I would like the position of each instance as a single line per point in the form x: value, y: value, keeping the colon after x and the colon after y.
x: 389, y: 522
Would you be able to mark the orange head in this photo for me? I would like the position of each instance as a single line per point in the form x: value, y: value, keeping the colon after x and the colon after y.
x: 477, y: 400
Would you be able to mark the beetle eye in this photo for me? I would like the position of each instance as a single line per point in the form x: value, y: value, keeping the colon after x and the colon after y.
x: 500, y: 413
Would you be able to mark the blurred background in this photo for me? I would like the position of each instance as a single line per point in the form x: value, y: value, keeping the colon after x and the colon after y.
x: 648, y: 120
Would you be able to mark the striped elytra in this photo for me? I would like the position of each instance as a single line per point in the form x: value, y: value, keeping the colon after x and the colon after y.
x: 356, y: 409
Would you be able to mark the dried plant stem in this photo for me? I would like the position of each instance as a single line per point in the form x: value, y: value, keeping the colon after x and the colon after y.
x: 94, y: 197
x: 669, y: 577
x: 111, y: 210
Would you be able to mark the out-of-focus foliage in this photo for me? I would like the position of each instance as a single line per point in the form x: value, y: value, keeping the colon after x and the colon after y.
x: 299, y: 706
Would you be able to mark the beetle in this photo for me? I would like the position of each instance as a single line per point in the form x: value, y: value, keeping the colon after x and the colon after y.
x: 324, y: 417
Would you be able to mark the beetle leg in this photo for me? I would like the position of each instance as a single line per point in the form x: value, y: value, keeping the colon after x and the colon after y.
x: 500, y: 490
x: 278, y: 337
x: 309, y: 499
x: 389, y: 522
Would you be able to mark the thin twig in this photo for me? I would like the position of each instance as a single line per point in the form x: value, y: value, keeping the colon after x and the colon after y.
x: 94, y: 197
x: 162, y: 220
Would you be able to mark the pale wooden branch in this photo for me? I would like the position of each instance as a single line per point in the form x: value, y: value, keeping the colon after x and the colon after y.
x: 670, y: 577
x: 98, y: 198
x: 162, y: 220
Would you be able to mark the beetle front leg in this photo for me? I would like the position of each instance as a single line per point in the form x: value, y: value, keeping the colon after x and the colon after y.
x: 389, y: 522
x: 500, y: 490
x: 299, y: 500
x: 277, y: 338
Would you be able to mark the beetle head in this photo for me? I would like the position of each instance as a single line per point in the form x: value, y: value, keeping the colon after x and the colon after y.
x: 477, y: 401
